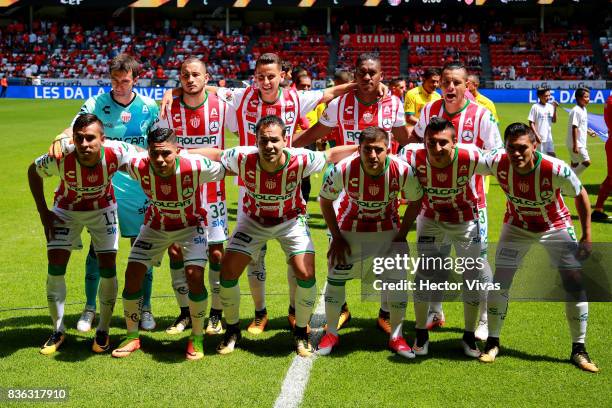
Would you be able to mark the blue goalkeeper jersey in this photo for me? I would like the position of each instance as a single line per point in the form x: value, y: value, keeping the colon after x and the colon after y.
x: 128, y: 123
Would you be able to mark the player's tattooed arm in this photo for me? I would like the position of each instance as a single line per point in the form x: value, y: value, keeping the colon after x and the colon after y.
x: 583, y: 207
x: 335, y: 154
x: 338, y: 247
x: 47, y: 217
x: 311, y: 135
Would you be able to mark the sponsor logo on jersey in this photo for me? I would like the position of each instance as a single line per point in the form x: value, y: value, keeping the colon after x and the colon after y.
x: 529, y: 203
x: 289, y: 104
x: 502, y: 174
x: 367, y: 117
x: 145, y: 109
x: 187, y: 180
x: 386, y: 110
x: 125, y: 116
x: 143, y: 245
x: 214, y: 113
x: 71, y: 174
x: 348, y: 110
x: 545, y: 195
x: 468, y: 122
x: 442, y: 177
x: 112, y: 167
x: 289, y: 117
x: 270, y: 184
x: 291, y: 174
x: 106, y: 109
x: 523, y: 187
x: 243, y: 237
x: 467, y: 135
x: 373, y: 189
x: 545, y: 182
x: 462, y: 180
x: 194, y: 121
x: 188, y: 192
x: 386, y: 123
x: 442, y: 191
x: 291, y: 185
x: 171, y: 204
x: 92, y: 178
x: 166, y: 188
x: 214, y: 126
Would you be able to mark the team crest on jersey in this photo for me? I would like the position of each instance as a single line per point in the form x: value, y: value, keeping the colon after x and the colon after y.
x: 523, y: 187
x: 367, y: 117
x: 546, y: 194
x: 469, y: 122
x: 125, y: 116
x: 270, y: 111
x: 373, y: 189
x: 270, y: 184
x: 194, y: 121
x: 386, y: 123
x: 228, y: 96
x: 442, y: 177
x: 166, y: 188
x: 213, y: 126
x: 92, y: 178
x: 145, y: 109
x: 467, y: 136
x: 289, y: 117
x: 461, y: 181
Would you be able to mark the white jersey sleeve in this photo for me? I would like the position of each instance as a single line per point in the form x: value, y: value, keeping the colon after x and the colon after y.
x: 567, y: 181
x: 400, y: 117
x: 229, y: 157
x: 47, y: 166
x: 332, y: 187
x: 419, y: 129
x: 406, y: 152
x: 489, y: 131
x: 211, y: 170
x: 162, y: 123
x: 123, y: 151
x: 315, y: 161
x: 132, y: 164
x: 329, y: 117
x: 413, y: 191
x: 231, y: 96
x: 532, y: 113
x: 309, y: 101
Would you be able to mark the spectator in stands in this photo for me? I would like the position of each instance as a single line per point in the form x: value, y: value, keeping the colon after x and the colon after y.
x: 4, y: 85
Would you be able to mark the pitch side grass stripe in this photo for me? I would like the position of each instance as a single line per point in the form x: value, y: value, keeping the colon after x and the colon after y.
x: 296, y: 379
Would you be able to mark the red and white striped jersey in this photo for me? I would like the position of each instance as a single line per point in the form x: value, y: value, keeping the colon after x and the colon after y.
x: 474, y: 124
x: 273, y: 198
x: 351, y: 116
x: 84, y: 188
x: 534, y: 200
x: 369, y: 203
x: 199, y: 126
x: 450, y: 192
x: 249, y: 108
x: 176, y: 201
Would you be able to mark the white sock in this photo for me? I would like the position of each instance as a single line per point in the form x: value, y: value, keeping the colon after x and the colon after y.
x: 131, y: 311
x: 577, y: 315
x: 214, y: 278
x: 197, y: 309
x: 580, y: 169
x: 497, y: 301
x: 335, y: 296
x: 230, y: 299
x: 179, y: 283
x: 56, y: 298
x: 305, y: 297
x: 107, y: 295
x: 256, y: 272
x: 397, y: 301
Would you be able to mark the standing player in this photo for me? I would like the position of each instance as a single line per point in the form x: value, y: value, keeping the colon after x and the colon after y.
x: 577, y: 130
x: 420, y: 96
x: 473, y: 83
x: 473, y: 124
x: 272, y: 208
x: 535, y: 212
x: 449, y: 215
x: 598, y: 213
x: 350, y: 114
x: 198, y: 119
x: 173, y: 183
x: 127, y: 116
x: 84, y: 198
x: 366, y: 225
x: 541, y: 117
x: 249, y: 105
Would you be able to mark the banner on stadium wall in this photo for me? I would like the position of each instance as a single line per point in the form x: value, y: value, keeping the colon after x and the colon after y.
x: 448, y: 39
x: 73, y: 92
x: 549, y: 84
x: 374, y: 40
x: 529, y: 95
x: 86, y: 82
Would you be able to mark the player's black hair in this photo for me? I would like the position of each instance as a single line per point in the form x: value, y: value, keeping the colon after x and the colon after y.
x: 342, y: 76
x: 367, y: 56
x: 297, y: 72
x: 287, y: 67
x: 125, y: 63
x: 269, y: 58
x: 161, y: 135
x: 518, y: 129
x: 192, y: 59
x: 580, y: 92
x: 395, y: 81
x: 268, y: 121
x: 452, y: 66
x: 542, y: 90
x: 373, y: 134
x: 84, y: 120
x: 431, y: 72
x: 437, y: 125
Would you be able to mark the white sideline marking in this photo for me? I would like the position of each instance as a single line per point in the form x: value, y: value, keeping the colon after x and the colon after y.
x: 296, y: 379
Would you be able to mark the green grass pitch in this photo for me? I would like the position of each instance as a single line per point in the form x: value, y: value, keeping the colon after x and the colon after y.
x: 533, y: 368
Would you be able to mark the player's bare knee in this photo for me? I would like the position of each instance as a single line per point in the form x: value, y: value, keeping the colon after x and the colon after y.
x: 215, y: 254
x: 107, y: 260
x: 195, y: 277
x: 134, y: 276
x: 58, y: 256
x: 175, y: 253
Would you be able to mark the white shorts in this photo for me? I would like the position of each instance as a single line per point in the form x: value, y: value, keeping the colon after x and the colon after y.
x: 433, y: 236
x: 151, y: 244
x: 580, y: 157
x: 249, y: 236
x: 365, y: 247
x: 216, y: 218
x: 101, y: 224
x: 547, y: 147
x: 514, y: 243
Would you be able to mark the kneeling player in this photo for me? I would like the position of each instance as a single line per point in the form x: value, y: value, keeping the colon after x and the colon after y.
x: 173, y: 184
x: 273, y: 208
x: 84, y: 198
x: 535, y: 212
x: 366, y: 226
